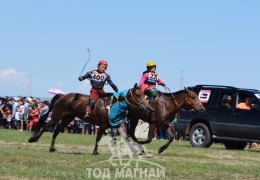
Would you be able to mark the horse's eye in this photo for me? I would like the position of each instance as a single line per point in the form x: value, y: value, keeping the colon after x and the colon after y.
x: 138, y: 93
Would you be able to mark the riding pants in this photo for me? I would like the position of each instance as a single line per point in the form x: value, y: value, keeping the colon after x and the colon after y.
x: 152, y: 93
x: 94, y: 95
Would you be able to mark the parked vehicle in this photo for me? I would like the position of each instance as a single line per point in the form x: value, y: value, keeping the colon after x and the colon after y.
x: 233, y: 127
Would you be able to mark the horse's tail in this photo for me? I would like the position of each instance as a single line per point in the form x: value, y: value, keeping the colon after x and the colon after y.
x: 43, y: 118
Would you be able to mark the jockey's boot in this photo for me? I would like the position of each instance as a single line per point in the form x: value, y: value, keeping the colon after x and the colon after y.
x: 89, y: 109
x: 150, y: 107
x: 114, y: 132
x: 151, y: 100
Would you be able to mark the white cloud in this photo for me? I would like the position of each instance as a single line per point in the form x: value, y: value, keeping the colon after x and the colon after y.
x: 7, y: 72
x: 13, y: 82
x: 11, y: 76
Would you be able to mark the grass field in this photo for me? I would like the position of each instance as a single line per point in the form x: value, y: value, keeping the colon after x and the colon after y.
x: 21, y: 160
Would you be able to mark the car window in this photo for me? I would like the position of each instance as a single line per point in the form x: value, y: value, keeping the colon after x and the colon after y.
x: 244, y: 101
x: 256, y: 99
x: 226, y: 100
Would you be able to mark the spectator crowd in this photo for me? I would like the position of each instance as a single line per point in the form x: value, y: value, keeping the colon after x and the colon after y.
x: 22, y: 113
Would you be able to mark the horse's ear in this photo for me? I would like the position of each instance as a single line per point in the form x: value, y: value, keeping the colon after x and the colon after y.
x: 186, y: 89
x: 136, y: 86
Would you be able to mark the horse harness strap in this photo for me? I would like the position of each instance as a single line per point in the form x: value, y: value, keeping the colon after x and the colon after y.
x: 173, y: 99
x: 190, y: 104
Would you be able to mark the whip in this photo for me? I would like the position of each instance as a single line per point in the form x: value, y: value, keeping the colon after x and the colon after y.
x: 89, y: 56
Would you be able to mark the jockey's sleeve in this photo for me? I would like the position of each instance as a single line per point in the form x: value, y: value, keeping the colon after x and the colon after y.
x: 87, y: 75
x: 159, y: 81
x: 110, y: 82
x: 142, y: 80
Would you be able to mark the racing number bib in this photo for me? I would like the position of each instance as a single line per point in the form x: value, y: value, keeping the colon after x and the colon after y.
x: 99, y: 77
x: 152, y: 77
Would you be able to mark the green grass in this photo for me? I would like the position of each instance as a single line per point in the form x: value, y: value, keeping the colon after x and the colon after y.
x: 22, y: 160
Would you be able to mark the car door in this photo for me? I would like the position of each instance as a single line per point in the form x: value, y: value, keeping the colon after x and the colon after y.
x: 247, y: 122
x: 222, y: 119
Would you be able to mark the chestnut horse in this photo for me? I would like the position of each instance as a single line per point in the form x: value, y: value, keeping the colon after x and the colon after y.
x: 165, y: 107
x: 67, y: 107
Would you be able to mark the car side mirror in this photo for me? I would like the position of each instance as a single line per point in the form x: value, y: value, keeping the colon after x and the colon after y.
x: 255, y: 107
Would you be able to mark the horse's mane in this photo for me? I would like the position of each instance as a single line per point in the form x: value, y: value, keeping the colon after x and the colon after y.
x: 170, y: 94
x: 107, y: 95
x: 76, y: 97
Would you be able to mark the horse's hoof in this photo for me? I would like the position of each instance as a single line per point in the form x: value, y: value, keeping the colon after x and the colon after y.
x: 160, y: 150
x: 143, y: 152
x: 31, y: 140
x: 95, y: 153
x: 52, y: 150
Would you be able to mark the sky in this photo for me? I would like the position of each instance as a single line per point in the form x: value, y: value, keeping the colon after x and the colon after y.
x: 43, y: 43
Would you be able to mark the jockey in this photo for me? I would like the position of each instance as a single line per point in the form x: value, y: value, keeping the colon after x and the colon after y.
x: 149, y: 79
x: 97, y: 78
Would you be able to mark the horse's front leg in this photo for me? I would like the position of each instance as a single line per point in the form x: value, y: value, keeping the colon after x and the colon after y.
x: 133, y: 124
x: 171, y: 133
x: 99, y: 135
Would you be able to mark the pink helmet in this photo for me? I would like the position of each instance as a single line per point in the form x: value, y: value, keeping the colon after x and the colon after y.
x: 103, y: 62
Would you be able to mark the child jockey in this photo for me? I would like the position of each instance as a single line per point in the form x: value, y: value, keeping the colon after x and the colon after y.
x: 148, y: 81
x: 97, y: 78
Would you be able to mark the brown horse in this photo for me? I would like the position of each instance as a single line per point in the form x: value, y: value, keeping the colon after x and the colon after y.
x: 166, y: 106
x: 67, y: 107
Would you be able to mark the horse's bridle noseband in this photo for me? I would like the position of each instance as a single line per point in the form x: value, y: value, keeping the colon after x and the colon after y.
x: 193, y: 106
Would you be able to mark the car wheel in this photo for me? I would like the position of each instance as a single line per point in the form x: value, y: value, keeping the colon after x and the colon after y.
x: 235, y: 145
x: 200, y: 136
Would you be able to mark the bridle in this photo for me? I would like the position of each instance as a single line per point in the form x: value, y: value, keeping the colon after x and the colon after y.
x: 193, y: 106
x: 132, y: 97
x: 185, y: 99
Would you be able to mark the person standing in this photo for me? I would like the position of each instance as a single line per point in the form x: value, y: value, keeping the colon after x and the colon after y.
x: 34, y: 117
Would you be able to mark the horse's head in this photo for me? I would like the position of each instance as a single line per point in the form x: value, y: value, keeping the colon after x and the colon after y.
x: 192, y: 101
x: 136, y: 98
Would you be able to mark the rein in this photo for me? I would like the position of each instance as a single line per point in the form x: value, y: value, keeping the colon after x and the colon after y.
x: 176, y: 103
x: 174, y: 100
